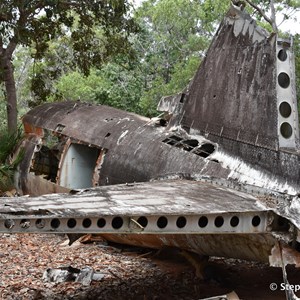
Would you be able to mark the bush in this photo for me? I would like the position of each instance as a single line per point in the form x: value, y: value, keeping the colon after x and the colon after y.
x: 9, y: 163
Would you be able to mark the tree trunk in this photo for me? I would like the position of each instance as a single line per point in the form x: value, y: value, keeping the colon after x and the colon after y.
x: 11, y: 97
x: 7, y: 71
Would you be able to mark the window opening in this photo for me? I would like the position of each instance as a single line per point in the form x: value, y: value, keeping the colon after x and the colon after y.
x: 205, y: 150
x: 172, y: 140
x: 47, y: 155
x: 192, y: 145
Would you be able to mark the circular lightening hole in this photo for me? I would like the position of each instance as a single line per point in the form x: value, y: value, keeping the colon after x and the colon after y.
x: 219, y: 221
x: 9, y: 223
x: 282, y: 55
x: 285, y: 109
x: 286, y: 130
x: 101, y: 223
x: 25, y: 224
x: 162, y: 222
x: 284, y: 80
x: 71, y: 223
x: 255, y: 221
x: 143, y: 221
x: 117, y: 222
x: 203, y: 221
x: 40, y: 223
x: 181, y: 222
x: 86, y: 223
x: 55, y: 223
x: 234, y: 221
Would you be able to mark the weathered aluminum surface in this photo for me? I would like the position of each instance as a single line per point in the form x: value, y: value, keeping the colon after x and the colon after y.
x: 167, y: 197
x: 196, y: 216
x: 232, y: 101
x: 223, y: 103
x: 157, y: 207
x: 95, y: 125
x: 132, y: 144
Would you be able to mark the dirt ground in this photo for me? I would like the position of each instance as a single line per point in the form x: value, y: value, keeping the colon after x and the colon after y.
x: 129, y: 273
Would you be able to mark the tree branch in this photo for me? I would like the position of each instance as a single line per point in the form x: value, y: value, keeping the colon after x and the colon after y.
x: 273, y: 16
x: 288, y: 15
x: 11, y: 47
x: 262, y: 13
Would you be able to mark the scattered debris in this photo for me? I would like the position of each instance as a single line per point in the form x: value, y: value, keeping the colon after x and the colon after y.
x: 25, y: 257
x: 63, y: 274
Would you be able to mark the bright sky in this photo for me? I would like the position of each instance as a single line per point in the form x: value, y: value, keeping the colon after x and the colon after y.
x: 290, y: 26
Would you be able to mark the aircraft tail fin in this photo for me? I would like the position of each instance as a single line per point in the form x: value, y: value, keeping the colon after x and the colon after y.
x: 244, y: 89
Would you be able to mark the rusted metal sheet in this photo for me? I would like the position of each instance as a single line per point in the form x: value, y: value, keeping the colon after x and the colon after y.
x: 249, y: 247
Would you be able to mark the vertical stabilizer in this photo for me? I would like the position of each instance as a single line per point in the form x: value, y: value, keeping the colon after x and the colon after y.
x: 244, y: 89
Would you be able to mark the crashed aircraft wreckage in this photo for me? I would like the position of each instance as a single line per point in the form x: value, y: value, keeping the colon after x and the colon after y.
x: 218, y: 174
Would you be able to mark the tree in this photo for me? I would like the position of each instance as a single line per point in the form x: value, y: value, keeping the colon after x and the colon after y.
x: 173, y: 38
x: 35, y: 22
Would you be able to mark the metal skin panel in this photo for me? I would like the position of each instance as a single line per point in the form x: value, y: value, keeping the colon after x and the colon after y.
x: 158, y: 197
x: 70, y: 118
x: 221, y: 96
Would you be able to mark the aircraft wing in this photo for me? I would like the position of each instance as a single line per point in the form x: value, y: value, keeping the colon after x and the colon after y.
x: 195, y: 215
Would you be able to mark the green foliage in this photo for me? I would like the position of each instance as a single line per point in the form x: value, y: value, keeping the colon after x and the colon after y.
x: 168, y: 49
x: 95, y: 31
x: 114, y: 85
x: 183, y: 72
x: 173, y: 38
x: 8, y: 163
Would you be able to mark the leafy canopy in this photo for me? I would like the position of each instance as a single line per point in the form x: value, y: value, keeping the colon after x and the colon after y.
x: 92, y: 32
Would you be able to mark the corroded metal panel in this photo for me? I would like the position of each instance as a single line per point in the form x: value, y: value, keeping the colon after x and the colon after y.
x: 161, y: 197
x: 250, y: 247
x: 98, y: 125
x: 195, y: 216
x: 233, y: 93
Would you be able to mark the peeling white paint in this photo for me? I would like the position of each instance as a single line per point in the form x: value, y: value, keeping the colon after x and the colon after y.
x: 122, y: 136
x: 245, y: 173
